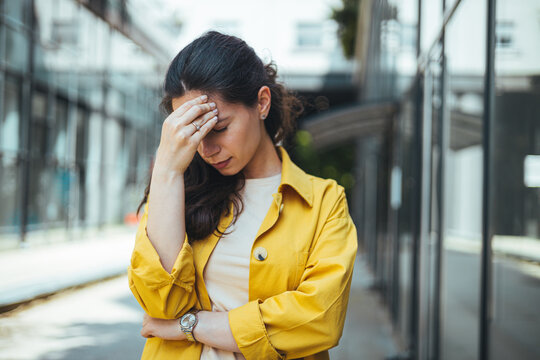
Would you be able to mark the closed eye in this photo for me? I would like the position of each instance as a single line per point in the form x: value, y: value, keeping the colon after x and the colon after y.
x: 220, y: 130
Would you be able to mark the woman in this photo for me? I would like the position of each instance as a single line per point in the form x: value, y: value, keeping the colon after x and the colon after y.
x: 264, y: 268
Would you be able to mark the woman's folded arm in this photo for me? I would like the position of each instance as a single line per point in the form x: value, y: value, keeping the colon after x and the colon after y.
x: 309, y: 319
x: 162, y: 294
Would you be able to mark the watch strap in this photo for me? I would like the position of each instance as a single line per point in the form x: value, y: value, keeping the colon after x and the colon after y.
x: 189, y: 335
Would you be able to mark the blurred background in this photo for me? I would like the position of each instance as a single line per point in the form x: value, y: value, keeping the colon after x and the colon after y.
x: 427, y: 112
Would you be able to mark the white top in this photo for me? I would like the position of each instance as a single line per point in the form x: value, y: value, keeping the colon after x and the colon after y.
x: 226, y: 274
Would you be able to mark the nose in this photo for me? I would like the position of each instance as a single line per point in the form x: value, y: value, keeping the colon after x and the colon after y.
x: 208, y: 148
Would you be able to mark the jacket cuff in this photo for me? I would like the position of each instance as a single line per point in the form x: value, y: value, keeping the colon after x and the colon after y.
x: 249, y: 332
x: 146, y: 264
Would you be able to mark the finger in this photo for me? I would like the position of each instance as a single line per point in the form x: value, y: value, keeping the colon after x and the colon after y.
x: 198, y: 136
x: 201, y: 120
x: 181, y: 110
x: 194, y: 112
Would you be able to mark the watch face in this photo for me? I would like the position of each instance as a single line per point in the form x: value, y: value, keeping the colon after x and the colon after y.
x: 188, y: 320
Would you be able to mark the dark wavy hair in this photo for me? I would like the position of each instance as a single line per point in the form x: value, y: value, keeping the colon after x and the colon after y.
x: 224, y: 65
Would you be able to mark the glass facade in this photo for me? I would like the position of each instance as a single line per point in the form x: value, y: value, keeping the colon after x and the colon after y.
x: 515, y: 186
x: 79, y: 116
x: 450, y: 221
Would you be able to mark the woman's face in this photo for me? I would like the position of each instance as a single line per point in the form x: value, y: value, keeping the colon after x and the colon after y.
x: 234, y: 139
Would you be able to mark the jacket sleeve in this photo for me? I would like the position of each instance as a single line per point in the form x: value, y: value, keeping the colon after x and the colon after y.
x: 161, y: 294
x: 309, y: 319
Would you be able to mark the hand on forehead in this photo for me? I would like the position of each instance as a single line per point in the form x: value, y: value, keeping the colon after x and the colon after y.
x: 193, y: 94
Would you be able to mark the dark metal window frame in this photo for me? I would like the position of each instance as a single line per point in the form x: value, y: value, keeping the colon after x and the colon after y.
x: 486, y: 301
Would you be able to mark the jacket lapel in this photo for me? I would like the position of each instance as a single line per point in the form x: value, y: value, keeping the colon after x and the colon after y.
x: 292, y: 176
x: 201, y: 253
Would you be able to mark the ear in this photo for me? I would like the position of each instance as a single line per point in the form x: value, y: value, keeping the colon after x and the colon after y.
x: 264, y: 102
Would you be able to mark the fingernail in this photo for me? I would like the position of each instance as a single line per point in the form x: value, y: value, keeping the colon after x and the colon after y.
x: 204, y: 97
x: 212, y: 104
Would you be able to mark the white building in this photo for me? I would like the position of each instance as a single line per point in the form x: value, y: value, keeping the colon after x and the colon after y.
x: 298, y: 35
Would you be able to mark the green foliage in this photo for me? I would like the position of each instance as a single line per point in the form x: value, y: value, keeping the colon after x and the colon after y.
x: 336, y: 163
x: 347, y: 19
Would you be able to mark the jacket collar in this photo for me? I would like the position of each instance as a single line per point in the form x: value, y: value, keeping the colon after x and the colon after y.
x: 294, y: 177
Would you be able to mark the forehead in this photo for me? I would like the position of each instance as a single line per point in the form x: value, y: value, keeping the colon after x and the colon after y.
x: 193, y: 94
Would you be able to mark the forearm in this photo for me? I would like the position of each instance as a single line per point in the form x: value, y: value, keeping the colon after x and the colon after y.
x: 166, y: 215
x: 213, y: 330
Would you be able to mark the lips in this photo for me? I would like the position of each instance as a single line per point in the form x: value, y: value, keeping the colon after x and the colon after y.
x: 222, y: 164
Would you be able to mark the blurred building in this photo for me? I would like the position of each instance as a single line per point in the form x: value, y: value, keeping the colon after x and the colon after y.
x: 445, y: 131
x: 298, y: 35
x: 80, y: 84
x: 447, y: 194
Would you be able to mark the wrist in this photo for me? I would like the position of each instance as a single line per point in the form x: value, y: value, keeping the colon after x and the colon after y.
x: 168, y: 163
x: 181, y: 335
x: 199, y: 329
x: 188, y: 323
x: 165, y: 174
x: 176, y: 330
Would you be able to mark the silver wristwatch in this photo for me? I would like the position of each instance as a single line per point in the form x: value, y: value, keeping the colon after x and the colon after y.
x: 188, y: 322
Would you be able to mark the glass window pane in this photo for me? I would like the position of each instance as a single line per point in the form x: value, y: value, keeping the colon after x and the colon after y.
x: 10, y: 216
x: 309, y: 35
x: 40, y: 128
x: 48, y: 197
x: 93, y: 47
x: 93, y: 188
x: 17, y: 46
x: 16, y: 9
x: 515, y: 161
x: 461, y: 263
x: 81, y: 143
x: 58, y: 141
x: 115, y: 170
x: 431, y: 18
x: 57, y: 35
x: 40, y: 180
x: 44, y: 46
x: 9, y: 128
x: 405, y: 217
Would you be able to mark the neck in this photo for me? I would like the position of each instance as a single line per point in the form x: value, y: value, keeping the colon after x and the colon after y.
x: 265, y: 162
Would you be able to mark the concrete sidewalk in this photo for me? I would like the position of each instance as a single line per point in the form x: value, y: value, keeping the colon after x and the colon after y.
x: 38, y: 270
x: 103, y: 321
x: 367, y: 333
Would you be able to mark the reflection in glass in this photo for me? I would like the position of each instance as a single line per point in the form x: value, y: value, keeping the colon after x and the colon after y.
x: 17, y: 45
x: 9, y: 164
x: 432, y: 14
x: 405, y: 221
x: 15, y: 10
x: 93, y: 169
x: 58, y: 141
x: 114, y: 171
x: 9, y: 135
x: 91, y: 85
x: 460, y: 274
x: 515, y: 215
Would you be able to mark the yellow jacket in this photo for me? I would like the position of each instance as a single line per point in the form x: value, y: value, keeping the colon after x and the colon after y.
x: 298, y: 295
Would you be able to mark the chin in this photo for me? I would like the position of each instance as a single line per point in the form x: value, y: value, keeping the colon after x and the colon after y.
x: 227, y: 171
